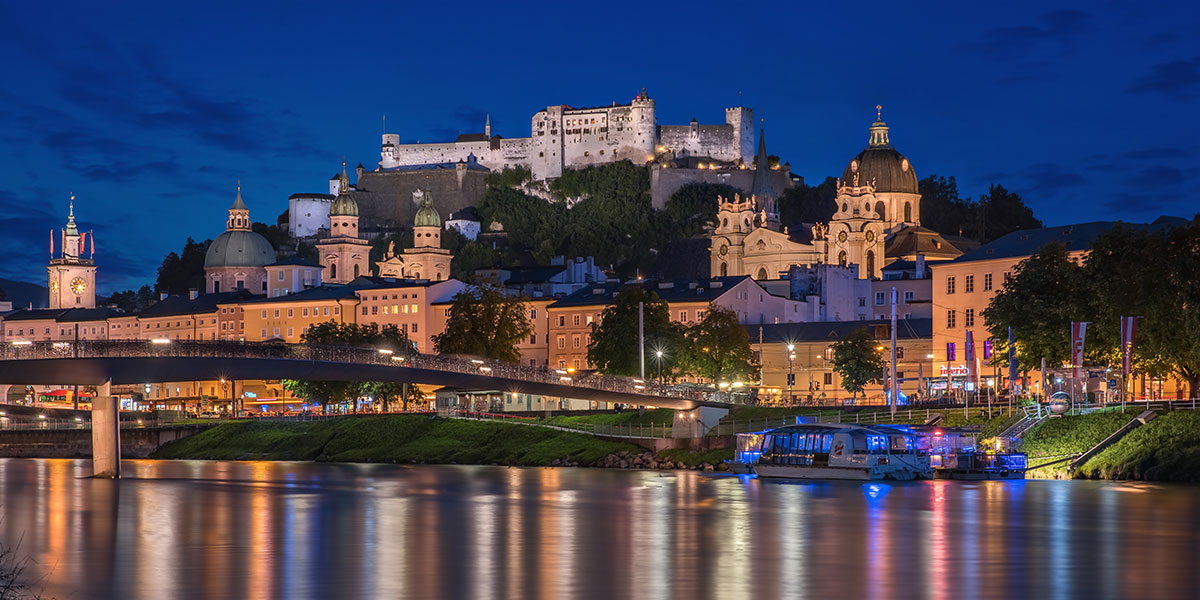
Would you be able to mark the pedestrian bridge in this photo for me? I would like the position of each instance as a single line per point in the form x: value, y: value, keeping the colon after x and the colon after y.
x: 156, y: 361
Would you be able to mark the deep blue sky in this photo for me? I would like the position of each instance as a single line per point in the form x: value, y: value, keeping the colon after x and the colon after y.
x: 151, y: 113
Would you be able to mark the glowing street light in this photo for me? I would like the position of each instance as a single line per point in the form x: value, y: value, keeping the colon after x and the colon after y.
x: 160, y: 341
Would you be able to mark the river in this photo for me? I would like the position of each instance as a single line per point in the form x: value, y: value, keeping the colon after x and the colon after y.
x: 197, y: 529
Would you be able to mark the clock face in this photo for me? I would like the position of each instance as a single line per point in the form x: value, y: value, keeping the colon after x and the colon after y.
x: 724, y: 250
x: 54, y: 286
x: 79, y: 286
x: 841, y: 236
x: 870, y: 236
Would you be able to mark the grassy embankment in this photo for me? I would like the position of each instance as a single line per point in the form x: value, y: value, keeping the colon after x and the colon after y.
x: 411, y: 438
x: 1061, y: 436
x: 1165, y: 449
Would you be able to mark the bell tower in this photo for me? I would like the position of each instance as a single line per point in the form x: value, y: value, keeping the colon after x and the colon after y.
x: 72, y: 278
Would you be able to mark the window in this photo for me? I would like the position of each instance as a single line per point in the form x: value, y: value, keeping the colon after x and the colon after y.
x: 281, y: 275
x: 862, y: 301
x: 305, y: 312
x: 264, y: 314
x: 374, y: 310
x: 880, y: 297
x: 575, y: 341
x: 532, y: 314
x: 277, y: 313
x: 683, y: 315
x: 327, y: 311
x: 291, y: 313
x: 908, y: 296
x: 289, y: 332
x: 899, y: 353
x: 575, y: 320
x: 414, y: 327
x: 588, y: 320
x: 364, y: 310
x: 969, y: 284
x: 1007, y: 276
x: 987, y: 282
x: 414, y: 309
x: 969, y: 317
x: 949, y: 285
x: 264, y: 334
x: 562, y: 320
x: 533, y: 339
x: 562, y: 342
x: 950, y: 319
x: 829, y: 379
x: 950, y: 351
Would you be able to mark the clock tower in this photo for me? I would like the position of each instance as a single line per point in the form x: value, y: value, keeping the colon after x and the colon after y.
x: 72, y: 278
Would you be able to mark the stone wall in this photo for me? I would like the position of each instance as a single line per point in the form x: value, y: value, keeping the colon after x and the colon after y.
x: 664, y: 182
x: 385, y: 198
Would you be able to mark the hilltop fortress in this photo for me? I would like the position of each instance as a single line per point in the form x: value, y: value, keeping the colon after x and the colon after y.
x: 562, y: 137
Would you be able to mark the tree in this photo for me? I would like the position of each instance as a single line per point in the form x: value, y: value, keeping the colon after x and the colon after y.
x: 184, y: 271
x: 277, y: 237
x: 693, y: 208
x: 1039, y: 301
x: 802, y: 204
x: 129, y: 301
x: 1003, y: 212
x: 857, y: 361
x: 483, y: 322
x: 333, y: 333
x: 387, y: 392
x: 473, y: 255
x: 613, y: 348
x: 943, y: 211
x: 718, y: 348
x: 1151, y: 274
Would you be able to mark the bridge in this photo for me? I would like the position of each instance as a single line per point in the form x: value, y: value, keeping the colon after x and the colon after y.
x: 104, y: 363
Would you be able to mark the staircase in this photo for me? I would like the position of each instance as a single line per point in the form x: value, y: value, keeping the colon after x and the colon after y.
x: 1145, y: 417
x: 1011, y: 436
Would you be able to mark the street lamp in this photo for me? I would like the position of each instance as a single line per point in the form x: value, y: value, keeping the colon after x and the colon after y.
x: 658, y: 354
x: 791, y: 378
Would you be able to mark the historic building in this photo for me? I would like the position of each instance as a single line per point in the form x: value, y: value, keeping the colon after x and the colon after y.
x: 877, y: 204
x: 426, y: 259
x: 563, y: 137
x: 343, y: 255
x: 72, y: 278
x: 238, y: 258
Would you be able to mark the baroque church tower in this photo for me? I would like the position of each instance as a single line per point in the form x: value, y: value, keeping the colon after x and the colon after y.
x: 343, y: 255
x: 72, y: 278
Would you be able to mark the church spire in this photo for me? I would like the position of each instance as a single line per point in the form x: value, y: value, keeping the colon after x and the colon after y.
x: 762, y: 190
x: 239, y: 214
x: 71, y: 229
x: 879, y: 130
x: 487, y: 127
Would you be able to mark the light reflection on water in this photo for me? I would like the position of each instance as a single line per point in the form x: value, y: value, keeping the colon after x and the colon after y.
x: 193, y: 529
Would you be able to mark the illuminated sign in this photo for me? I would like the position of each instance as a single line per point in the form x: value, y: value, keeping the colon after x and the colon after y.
x: 955, y: 370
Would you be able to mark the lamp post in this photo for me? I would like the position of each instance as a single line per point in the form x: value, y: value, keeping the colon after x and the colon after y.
x: 658, y: 354
x: 791, y: 378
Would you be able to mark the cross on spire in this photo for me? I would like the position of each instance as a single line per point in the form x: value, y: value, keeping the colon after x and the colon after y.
x: 879, y: 111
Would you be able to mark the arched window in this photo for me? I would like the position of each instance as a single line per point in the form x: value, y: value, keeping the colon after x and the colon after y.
x: 437, y: 276
x: 724, y: 269
x: 870, y: 263
x: 762, y: 273
x: 842, y: 258
x: 333, y: 270
x: 879, y: 209
x: 907, y: 211
x: 356, y: 270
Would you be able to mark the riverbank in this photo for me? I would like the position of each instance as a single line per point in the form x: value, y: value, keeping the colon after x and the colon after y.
x: 1165, y: 449
x: 424, y: 440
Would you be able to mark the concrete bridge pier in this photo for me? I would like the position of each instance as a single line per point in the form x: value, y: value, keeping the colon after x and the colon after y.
x: 106, y: 433
x: 695, y: 423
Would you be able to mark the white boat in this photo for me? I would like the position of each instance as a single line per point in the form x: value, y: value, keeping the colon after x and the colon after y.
x: 834, y: 451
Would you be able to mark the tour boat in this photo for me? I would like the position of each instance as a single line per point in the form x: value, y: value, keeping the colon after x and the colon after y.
x: 955, y: 454
x: 833, y: 451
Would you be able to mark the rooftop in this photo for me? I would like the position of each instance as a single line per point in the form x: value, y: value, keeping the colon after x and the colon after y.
x: 1076, y: 237
x: 906, y: 329
x: 684, y: 290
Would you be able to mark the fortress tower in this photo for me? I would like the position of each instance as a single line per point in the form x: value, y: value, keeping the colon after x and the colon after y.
x: 343, y: 255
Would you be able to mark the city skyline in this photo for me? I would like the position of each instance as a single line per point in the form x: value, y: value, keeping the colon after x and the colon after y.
x: 1084, y: 114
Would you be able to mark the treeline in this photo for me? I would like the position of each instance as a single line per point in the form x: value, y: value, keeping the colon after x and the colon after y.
x: 1148, y: 272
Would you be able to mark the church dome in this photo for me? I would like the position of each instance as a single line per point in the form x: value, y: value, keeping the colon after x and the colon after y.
x: 343, y: 206
x: 881, y: 165
x: 427, y: 215
x: 239, y: 248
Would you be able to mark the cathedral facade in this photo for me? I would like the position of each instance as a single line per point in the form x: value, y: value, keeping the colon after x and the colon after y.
x: 877, y: 198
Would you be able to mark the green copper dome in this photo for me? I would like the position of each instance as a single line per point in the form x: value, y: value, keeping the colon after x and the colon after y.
x: 343, y: 206
x: 427, y: 216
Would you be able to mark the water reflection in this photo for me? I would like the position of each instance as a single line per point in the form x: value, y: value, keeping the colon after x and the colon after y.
x: 191, y: 529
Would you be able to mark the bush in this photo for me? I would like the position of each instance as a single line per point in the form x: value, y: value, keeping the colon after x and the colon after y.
x: 1165, y: 449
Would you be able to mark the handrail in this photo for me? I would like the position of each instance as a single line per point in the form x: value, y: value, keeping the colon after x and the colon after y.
x: 357, y: 355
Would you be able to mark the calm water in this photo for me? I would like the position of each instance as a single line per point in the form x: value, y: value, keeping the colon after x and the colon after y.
x: 181, y: 529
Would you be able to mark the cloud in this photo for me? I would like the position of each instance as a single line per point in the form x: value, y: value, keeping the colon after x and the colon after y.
x: 1058, y: 25
x: 1178, y: 79
x: 472, y: 118
x: 1049, y: 179
x: 124, y: 171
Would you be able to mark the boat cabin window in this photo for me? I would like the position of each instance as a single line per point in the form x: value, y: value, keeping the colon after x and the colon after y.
x: 903, y: 443
x: 877, y: 444
x: 826, y: 442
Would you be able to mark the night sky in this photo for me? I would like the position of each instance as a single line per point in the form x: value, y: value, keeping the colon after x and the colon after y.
x: 151, y: 114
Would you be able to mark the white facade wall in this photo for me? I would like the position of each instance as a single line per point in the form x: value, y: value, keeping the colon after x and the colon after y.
x: 307, y: 214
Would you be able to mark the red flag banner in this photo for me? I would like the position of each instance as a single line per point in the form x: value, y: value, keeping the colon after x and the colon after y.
x: 1128, y: 330
x: 51, y: 243
x: 92, y: 245
x: 1078, y: 331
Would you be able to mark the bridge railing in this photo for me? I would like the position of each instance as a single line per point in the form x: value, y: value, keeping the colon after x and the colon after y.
x: 397, y: 358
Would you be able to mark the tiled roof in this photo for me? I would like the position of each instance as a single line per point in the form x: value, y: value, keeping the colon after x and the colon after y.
x: 63, y: 315
x: 204, y: 303
x: 705, y: 290
x: 1075, y: 237
x: 324, y: 292
x: 906, y: 329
